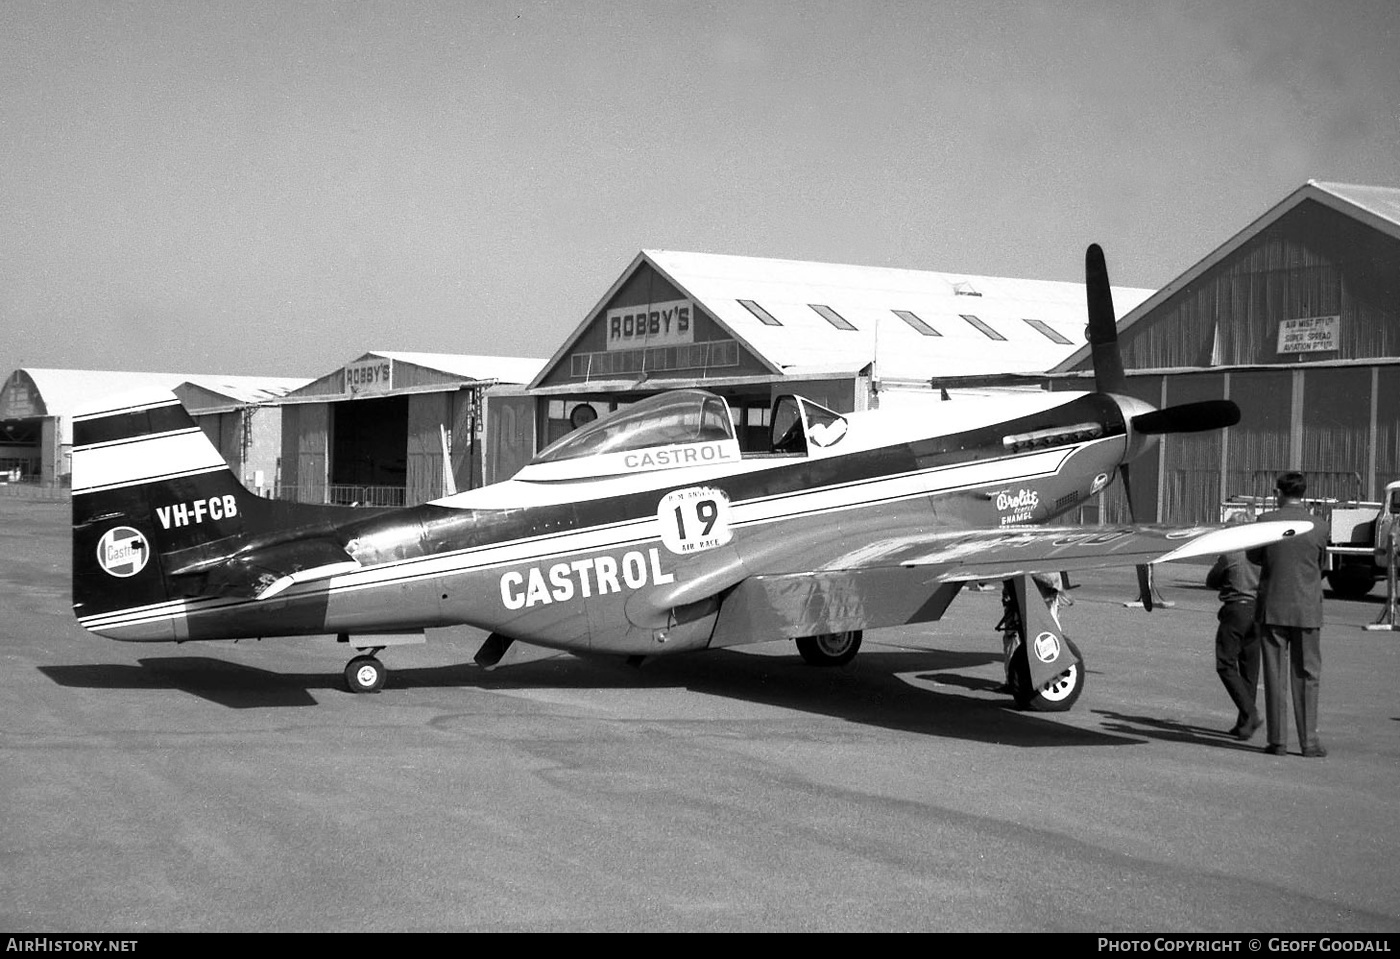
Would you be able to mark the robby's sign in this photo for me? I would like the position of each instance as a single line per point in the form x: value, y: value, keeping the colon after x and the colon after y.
x: 369, y: 376
x: 1309, y: 334
x: 671, y: 323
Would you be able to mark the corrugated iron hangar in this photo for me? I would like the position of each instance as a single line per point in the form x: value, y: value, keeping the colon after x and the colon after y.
x: 1297, y: 319
x: 391, y: 428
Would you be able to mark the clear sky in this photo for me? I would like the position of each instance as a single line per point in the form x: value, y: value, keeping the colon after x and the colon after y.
x: 274, y: 187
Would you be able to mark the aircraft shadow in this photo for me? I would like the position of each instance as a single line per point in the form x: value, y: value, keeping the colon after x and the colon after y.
x: 920, y: 692
x: 227, y: 684
x: 923, y: 692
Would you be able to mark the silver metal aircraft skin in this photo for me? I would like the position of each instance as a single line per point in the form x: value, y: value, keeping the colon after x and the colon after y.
x: 645, y: 533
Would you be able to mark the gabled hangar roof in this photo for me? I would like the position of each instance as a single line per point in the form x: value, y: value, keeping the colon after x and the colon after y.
x: 866, y: 298
x: 1376, y: 206
x: 422, y: 372
x: 506, y: 369
x: 248, y: 389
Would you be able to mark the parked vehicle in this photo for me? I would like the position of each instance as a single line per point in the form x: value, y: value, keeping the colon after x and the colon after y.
x: 1359, y: 531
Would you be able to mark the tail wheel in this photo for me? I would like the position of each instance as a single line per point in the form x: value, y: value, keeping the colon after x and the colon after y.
x: 1057, y: 696
x: 830, y: 649
x: 364, y: 674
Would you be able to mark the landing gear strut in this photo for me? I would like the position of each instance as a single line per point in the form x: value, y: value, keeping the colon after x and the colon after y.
x: 365, y: 673
x: 1044, y: 669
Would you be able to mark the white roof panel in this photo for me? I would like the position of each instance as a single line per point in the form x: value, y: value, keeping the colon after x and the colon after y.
x: 868, y: 296
x: 506, y: 369
x: 1381, y: 201
x: 249, y: 389
x: 66, y: 390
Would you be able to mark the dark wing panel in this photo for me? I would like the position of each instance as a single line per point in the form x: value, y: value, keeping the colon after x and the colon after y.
x: 808, y: 604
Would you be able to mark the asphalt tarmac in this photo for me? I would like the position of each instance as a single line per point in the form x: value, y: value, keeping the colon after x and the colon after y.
x: 224, y: 786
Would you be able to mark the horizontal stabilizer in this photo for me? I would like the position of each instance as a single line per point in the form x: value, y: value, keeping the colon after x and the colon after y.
x: 306, y: 576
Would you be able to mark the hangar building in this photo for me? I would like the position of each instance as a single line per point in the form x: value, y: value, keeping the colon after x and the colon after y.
x: 376, y: 431
x: 237, y: 413
x: 848, y: 337
x: 1297, y: 319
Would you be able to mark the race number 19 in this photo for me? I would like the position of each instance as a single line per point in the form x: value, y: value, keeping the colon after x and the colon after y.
x: 694, y: 519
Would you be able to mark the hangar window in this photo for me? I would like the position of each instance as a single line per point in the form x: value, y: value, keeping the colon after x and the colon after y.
x: 1053, y: 335
x: 916, y: 323
x: 832, y: 317
x: 764, y: 317
x: 991, y: 333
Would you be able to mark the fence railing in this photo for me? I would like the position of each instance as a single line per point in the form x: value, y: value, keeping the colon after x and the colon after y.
x: 52, y: 492
x: 372, y: 496
x: 366, y: 495
x: 343, y: 495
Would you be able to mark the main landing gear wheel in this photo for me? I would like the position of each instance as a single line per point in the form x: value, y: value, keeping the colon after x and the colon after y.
x: 1057, y: 696
x: 1351, y: 582
x: 830, y: 649
x: 364, y: 674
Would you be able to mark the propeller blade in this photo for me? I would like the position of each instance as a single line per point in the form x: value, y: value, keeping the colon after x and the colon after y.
x: 1102, y: 331
x: 1127, y: 489
x: 1188, y: 418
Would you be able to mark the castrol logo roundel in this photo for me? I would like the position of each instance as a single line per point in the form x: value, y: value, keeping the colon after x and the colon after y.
x: 1047, y: 647
x: 123, y: 552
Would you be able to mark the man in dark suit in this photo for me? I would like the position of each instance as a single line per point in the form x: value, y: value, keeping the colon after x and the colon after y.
x: 1290, y: 617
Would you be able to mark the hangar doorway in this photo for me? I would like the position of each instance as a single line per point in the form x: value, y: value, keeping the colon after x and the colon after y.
x: 369, y: 452
x: 21, y: 450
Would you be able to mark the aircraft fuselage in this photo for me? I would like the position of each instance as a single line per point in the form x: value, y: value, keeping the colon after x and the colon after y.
x: 586, y: 564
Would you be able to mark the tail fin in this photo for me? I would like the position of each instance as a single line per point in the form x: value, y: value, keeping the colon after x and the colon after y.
x: 146, y: 482
x: 161, y: 527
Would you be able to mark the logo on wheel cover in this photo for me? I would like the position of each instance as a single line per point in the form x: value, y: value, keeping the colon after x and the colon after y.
x: 123, y: 551
x: 1047, y: 647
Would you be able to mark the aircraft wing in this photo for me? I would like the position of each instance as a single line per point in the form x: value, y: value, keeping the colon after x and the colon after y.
x: 998, y: 553
x: 912, y: 576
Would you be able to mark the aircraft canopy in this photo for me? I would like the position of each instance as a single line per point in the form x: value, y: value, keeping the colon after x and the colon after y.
x: 677, y: 418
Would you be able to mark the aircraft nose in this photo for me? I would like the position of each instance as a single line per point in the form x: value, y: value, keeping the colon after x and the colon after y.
x: 1132, y: 406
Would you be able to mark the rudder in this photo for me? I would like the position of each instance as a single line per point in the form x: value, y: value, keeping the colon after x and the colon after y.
x: 146, y: 482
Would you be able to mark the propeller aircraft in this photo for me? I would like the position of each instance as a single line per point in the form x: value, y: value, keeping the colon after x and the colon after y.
x: 647, y: 532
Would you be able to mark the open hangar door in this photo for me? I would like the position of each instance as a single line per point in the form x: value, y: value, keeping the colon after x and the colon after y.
x: 21, y: 450
x: 369, y: 451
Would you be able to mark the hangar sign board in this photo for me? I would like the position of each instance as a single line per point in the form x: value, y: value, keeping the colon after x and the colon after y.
x: 1309, y: 334
x: 369, y: 377
x: 669, y: 323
